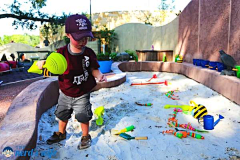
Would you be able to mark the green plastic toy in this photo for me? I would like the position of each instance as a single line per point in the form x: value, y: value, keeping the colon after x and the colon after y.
x: 127, y: 129
x: 55, y: 63
x: 183, y: 107
x: 99, y: 112
x: 237, y: 71
x: 129, y: 137
x: 164, y: 58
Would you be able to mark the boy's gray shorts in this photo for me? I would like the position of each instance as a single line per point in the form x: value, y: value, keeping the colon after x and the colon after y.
x: 80, y: 105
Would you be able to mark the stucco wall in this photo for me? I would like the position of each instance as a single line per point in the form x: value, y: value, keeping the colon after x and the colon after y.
x: 136, y: 36
x: 205, y: 27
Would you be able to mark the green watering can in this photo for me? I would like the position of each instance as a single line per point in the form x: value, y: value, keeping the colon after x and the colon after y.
x: 55, y: 64
x: 99, y: 112
x: 237, y: 69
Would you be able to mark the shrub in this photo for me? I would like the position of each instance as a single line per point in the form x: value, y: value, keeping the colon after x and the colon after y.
x: 132, y: 54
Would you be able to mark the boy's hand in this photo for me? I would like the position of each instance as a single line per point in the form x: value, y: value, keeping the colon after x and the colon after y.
x: 40, y: 64
x: 99, y: 76
x: 103, y: 79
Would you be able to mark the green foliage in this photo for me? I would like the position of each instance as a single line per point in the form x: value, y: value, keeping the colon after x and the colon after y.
x: 132, y: 54
x: 107, y: 56
x: 165, y: 8
x: 66, y: 39
x: 165, y: 5
x: 31, y: 40
x: 29, y: 14
x: 179, y: 12
x: 1, y: 41
x: 109, y: 36
x: 113, y: 56
x: 45, y: 31
x: 147, y: 18
x: 103, y: 57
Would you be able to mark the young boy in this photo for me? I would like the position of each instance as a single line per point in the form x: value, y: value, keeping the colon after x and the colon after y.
x: 77, y: 81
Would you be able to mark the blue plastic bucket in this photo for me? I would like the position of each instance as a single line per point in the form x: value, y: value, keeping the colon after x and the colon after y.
x: 220, y: 66
x: 213, y: 65
x: 105, y: 66
x: 195, y: 61
x: 198, y: 62
x: 205, y: 63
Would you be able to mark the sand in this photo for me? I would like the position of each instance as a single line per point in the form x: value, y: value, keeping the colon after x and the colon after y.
x: 121, y: 111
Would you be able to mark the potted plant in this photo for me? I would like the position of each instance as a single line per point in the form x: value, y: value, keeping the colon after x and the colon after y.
x: 105, y: 61
x: 133, y: 55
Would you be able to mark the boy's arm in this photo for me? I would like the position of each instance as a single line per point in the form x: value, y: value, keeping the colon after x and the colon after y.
x: 97, y: 74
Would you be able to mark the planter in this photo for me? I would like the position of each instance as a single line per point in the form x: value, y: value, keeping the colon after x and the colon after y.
x: 195, y: 61
x: 198, y: 62
x: 213, y: 65
x: 105, y: 66
x: 205, y: 63
x: 220, y: 67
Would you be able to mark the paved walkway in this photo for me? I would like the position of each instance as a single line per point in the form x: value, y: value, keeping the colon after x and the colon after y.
x: 9, y: 88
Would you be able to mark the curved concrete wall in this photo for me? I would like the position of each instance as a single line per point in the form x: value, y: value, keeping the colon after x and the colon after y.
x: 20, y: 125
x: 136, y: 36
x: 205, y: 27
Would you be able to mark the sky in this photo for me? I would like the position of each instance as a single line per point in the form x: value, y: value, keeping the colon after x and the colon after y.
x: 79, y: 6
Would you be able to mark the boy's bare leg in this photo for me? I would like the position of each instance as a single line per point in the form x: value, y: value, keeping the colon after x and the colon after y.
x: 85, y: 128
x: 62, y: 126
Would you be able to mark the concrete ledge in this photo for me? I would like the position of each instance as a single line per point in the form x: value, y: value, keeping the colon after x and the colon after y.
x: 20, y: 125
x: 228, y: 86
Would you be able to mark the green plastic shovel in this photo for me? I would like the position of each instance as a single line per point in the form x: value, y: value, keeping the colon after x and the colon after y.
x: 129, y: 137
x: 55, y: 63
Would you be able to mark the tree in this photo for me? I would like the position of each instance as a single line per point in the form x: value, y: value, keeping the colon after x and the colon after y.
x: 27, y: 19
x: 146, y: 17
x: 165, y: 7
x: 31, y: 40
x: 107, y: 37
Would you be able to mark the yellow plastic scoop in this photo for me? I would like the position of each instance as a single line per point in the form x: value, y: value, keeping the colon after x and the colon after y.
x: 55, y: 63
